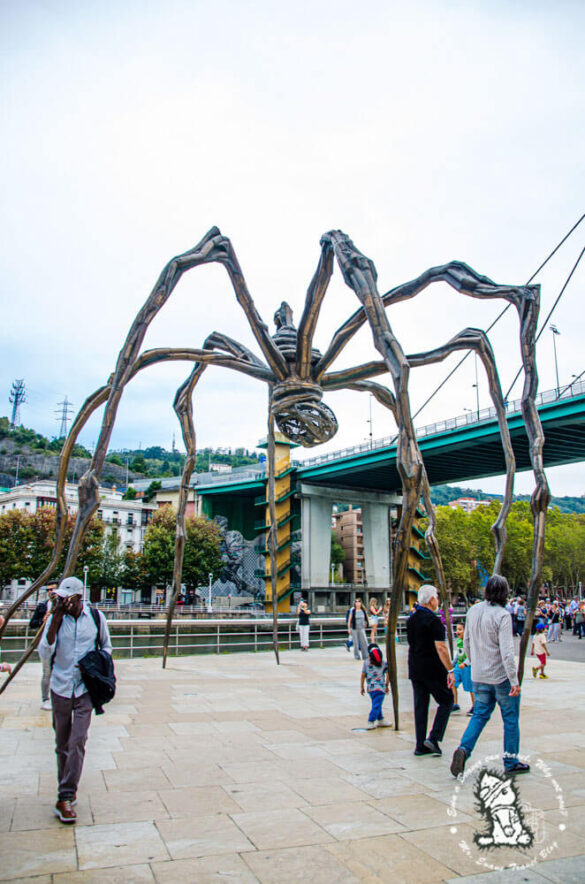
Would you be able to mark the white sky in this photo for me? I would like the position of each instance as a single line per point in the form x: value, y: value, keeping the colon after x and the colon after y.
x: 427, y: 131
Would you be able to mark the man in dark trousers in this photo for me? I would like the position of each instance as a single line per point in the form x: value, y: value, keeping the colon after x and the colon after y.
x: 430, y: 671
x: 70, y: 633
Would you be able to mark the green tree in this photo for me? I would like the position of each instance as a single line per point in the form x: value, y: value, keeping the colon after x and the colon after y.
x: 134, y: 570
x: 129, y: 494
x: 337, y: 551
x: 112, y: 560
x: 14, y: 545
x: 202, y: 548
x: 202, y: 555
x: 458, y: 551
x: 159, y: 545
x: 151, y: 491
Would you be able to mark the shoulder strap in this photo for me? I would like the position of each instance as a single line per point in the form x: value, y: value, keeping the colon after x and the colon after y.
x: 96, y: 619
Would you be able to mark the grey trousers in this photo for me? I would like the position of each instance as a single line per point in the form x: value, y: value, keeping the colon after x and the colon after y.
x: 71, y: 720
x: 360, y: 643
x: 45, y: 679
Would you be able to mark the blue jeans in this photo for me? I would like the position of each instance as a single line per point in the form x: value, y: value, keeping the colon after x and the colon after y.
x: 377, y: 698
x: 486, y: 697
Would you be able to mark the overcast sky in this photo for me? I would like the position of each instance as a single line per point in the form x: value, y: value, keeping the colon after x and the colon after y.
x: 427, y: 131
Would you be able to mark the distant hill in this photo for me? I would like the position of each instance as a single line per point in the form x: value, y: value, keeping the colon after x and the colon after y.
x: 38, y: 458
x: 441, y: 495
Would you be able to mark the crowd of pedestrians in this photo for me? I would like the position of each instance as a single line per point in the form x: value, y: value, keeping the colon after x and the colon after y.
x: 554, y: 615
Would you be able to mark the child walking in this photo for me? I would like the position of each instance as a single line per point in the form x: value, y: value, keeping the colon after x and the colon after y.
x: 461, y: 670
x: 375, y: 674
x: 539, y: 647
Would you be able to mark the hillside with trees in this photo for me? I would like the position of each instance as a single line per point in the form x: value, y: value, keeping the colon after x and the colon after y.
x: 38, y: 458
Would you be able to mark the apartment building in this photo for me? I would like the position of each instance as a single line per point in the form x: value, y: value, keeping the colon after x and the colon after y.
x: 348, y: 528
x: 128, y: 517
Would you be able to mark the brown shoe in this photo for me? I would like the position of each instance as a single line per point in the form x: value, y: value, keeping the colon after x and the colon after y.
x: 65, y: 812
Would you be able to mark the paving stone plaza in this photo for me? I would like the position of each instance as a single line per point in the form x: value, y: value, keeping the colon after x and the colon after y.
x: 233, y: 768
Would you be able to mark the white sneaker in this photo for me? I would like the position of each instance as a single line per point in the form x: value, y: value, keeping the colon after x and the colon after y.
x: 371, y: 725
x: 46, y: 705
x: 383, y: 723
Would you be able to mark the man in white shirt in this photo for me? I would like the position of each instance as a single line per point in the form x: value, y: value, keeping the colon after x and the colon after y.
x: 489, y: 645
x: 70, y: 633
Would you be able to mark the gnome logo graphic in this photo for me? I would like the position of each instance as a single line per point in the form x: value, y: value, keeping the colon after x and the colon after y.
x: 499, y: 805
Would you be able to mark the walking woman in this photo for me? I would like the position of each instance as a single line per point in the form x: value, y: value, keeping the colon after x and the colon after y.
x: 304, y: 624
x: 375, y: 612
x: 357, y: 623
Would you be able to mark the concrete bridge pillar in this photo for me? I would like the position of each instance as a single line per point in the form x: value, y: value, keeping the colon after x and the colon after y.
x: 316, y: 528
x: 376, y: 527
x: 316, y: 507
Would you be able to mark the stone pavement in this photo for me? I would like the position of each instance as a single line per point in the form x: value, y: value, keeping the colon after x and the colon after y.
x: 232, y: 768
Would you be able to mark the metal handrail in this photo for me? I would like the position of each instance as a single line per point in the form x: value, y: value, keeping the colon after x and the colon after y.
x: 135, y: 638
x: 577, y: 388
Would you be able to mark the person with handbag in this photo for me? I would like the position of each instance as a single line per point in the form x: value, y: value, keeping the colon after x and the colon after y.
x: 70, y: 633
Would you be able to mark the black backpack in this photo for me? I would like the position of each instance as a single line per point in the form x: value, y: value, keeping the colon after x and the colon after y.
x: 97, y: 670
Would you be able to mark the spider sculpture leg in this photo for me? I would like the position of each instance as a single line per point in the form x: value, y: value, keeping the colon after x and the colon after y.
x: 360, y: 275
x: 183, y: 406
x: 526, y: 299
x: 477, y: 340
x: 212, y: 248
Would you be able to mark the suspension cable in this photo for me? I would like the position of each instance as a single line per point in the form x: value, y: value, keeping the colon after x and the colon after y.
x: 550, y: 313
x: 499, y: 316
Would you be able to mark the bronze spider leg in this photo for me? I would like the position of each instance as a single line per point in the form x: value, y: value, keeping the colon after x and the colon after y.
x: 360, y: 275
x: 474, y: 339
x: 212, y: 248
x: 183, y: 406
x: 526, y: 299
x: 477, y: 340
x: 242, y: 360
x: 253, y: 368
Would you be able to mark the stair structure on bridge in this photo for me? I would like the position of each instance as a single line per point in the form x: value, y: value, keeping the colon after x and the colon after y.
x: 285, y: 518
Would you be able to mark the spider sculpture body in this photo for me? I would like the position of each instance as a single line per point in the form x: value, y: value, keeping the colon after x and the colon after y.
x: 297, y: 376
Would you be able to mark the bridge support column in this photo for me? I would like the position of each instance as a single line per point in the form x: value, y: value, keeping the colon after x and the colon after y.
x: 376, y: 527
x: 316, y: 533
x: 316, y: 506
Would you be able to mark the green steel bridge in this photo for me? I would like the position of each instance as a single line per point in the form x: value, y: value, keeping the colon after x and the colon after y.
x: 455, y: 450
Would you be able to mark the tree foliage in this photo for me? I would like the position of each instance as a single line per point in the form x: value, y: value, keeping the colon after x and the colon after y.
x: 27, y: 542
x: 467, y: 546
x: 202, y: 555
x: 337, y: 551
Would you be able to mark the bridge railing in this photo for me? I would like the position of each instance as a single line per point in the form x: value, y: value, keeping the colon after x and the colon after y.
x: 140, y: 638
x: 469, y: 418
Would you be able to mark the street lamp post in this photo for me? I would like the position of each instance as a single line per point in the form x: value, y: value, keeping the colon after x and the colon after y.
x: 476, y: 385
x: 371, y: 425
x: 209, y: 608
x: 555, y: 332
x: 17, y: 466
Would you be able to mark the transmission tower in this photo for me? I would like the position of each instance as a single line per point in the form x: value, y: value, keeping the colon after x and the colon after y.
x: 16, y: 398
x: 63, y: 416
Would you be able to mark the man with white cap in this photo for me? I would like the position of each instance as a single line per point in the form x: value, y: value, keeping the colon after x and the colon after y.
x: 70, y: 633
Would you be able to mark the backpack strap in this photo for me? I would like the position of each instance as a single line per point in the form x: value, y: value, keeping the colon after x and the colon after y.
x: 96, y: 619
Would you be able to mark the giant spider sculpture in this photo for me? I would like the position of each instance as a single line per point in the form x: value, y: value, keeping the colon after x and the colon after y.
x: 297, y: 375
